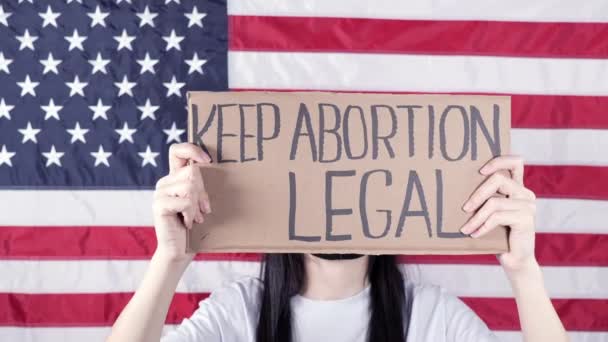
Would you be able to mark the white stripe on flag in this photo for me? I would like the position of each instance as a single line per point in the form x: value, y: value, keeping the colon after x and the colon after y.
x: 54, y: 334
x: 514, y: 10
x: 491, y: 281
x: 420, y: 73
x: 134, y: 208
x: 563, y: 215
x: 59, y: 334
x: 76, y: 208
x: 100, y: 276
x: 561, y: 146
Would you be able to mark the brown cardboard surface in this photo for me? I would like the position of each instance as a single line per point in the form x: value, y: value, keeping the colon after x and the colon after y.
x: 276, y: 186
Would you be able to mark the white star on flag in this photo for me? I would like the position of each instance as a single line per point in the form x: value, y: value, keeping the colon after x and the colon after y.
x: 53, y: 157
x: 146, y: 17
x: 49, y: 17
x: 147, y: 64
x: 174, y: 87
x: 5, y: 156
x: 26, y: 41
x: 124, y: 41
x: 76, y: 87
x: 4, y: 63
x: 195, y: 64
x: 173, y: 41
x: 99, y: 110
x: 99, y: 64
x: 125, y: 87
x: 148, y: 157
x: 147, y: 110
x: 76, y: 41
x: 101, y: 157
x: 195, y: 18
x: 77, y: 133
x: 5, y: 110
x: 126, y: 134
x: 51, y: 111
x: 4, y: 16
x: 173, y: 133
x: 169, y: 1
x: 98, y: 17
x: 50, y: 64
x: 27, y: 86
x: 29, y: 133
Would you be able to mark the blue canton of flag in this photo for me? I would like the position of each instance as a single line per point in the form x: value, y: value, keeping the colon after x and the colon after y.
x: 93, y: 92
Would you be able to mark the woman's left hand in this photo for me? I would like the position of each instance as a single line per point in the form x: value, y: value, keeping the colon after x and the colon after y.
x: 516, y: 209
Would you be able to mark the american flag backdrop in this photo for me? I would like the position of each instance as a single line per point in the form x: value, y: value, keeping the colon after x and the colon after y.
x: 92, y: 93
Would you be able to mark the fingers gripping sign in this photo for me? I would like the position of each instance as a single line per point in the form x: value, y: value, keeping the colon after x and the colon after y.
x: 515, y: 209
x: 180, y: 198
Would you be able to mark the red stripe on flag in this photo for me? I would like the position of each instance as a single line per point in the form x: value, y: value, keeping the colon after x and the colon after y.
x: 89, y: 309
x: 568, y: 181
x: 102, y: 309
x: 551, y: 250
x: 81, y: 243
x: 86, y: 243
x: 520, y: 39
x: 575, y: 314
x: 547, y: 111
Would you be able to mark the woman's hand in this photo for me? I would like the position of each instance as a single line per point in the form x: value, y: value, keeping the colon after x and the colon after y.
x: 516, y: 209
x: 179, y: 200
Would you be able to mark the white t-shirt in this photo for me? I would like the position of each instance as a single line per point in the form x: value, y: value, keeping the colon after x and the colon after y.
x: 230, y: 314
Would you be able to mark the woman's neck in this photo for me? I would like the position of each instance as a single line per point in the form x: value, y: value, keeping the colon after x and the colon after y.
x: 334, y: 279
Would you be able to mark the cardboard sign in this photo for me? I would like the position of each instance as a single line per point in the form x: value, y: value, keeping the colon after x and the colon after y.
x: 344, y: 172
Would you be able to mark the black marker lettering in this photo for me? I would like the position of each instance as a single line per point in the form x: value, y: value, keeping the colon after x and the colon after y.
x: 347, y: 140
x: 303, y: 119
x: 443, y: 129
x: 292, y: 213
x: 431, y: 131
x: 410, y: 126
x: 385, y: 138
x: 414, y: 182
x: 221, y: 134
x: 388, y: 181
x: 330, y: 212
x: 198, y: 136
x: 242, y: 134
x: 477, y: 121
x: 333, y: 131
x: 276, y: 129
x: 440, y: 232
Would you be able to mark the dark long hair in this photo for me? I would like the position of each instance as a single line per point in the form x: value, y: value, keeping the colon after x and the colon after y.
x: 284, y: 274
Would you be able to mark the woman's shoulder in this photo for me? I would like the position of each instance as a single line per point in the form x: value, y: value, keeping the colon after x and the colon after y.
x: 435, y: 308
x: 228, y: 314
x: 427, y: 292
x: 244, y: 289
x: 431, y: 299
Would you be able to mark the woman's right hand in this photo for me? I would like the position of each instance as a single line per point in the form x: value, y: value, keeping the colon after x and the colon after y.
x: 180, y: 200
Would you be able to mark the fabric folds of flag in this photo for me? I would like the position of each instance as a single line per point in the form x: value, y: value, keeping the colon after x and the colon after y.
x: 93, y: 92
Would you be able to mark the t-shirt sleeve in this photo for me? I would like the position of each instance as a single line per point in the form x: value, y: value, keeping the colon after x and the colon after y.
x: 462, y: 323
x: 228, y: 314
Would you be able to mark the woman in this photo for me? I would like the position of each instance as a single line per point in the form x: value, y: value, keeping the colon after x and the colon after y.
x: 315, y: 297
